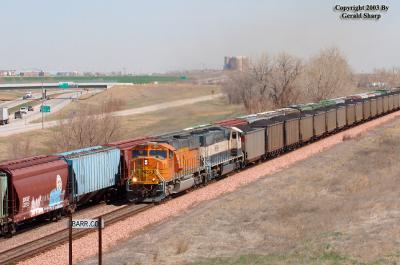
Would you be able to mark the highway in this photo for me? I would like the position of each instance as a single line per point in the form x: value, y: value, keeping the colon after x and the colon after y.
x: 54, y: 85
x: 38, y: 96
x: 25, y: 124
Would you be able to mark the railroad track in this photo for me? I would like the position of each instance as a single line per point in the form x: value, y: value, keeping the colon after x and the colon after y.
x: 30, y: 249
x: 48, y: 242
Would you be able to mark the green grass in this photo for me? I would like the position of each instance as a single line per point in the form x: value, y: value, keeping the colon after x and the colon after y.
x: 137, y: 79
x: 32, y: 103
x: 326, y: 258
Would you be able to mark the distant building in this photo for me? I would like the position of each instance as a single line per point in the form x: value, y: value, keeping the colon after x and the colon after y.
x: 8, y: 73
x: 33, y: 73
x: 69, y: 73
x: 237, y: 63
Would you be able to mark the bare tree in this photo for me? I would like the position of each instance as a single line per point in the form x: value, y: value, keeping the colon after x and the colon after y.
x: 327, y: 74
x: 267, y: 84
x: 283, y: 84
x: 87, y: 126
x: 250, y: 87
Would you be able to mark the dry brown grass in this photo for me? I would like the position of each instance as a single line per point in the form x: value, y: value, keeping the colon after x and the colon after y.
x: 137, y: 125
x: 19, y: 147
x: 134, y: 96
x: 6, y: 95
x: 347, y: 137
x: 182, y: 246
x: 38, y: 143
x: 339, y: 207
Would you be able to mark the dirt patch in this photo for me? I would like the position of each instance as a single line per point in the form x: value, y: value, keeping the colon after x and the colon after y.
x: 338, y: 207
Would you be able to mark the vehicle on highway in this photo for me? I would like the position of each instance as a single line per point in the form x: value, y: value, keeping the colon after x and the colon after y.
x: 18, y: 115
x: 23, y: 110
x: 27, y: 95
x: 30, y: 108
x: 3, y: 116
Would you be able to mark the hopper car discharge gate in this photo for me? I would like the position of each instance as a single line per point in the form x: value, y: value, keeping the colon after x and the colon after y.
x: 3, y: 202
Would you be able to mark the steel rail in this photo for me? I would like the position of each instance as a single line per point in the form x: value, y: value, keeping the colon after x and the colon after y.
x: 30, y: 249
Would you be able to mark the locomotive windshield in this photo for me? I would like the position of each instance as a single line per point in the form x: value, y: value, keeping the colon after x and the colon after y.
x: 137, y: 153
x: 160, y: 154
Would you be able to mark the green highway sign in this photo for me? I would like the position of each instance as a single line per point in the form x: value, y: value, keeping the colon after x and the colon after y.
x: 63, y: 85
x: 45, y: 108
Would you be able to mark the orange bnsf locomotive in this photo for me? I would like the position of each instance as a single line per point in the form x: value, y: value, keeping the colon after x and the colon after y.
x: 178, y: 161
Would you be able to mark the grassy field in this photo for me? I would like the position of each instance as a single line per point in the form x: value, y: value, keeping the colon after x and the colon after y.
x: 177, y: 118
x: 325, y: 257
x: 7, y: 95
x: 138, y: 79
x: 140, y: 95
x: 39, y: 141
x: 338, y: 207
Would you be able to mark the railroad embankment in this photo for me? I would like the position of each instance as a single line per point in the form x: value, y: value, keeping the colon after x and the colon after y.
x: 339, y: 205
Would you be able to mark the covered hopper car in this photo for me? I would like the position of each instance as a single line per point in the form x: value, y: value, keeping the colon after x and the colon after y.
x: 46, y: 187
x: 31, y: 188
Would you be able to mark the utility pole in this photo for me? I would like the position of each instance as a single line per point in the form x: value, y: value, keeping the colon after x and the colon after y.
x: 41, y: 109
x: 70, y: 239
x: 100, y: 222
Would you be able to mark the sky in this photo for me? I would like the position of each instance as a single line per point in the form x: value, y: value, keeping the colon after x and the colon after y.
x: 160, y: 36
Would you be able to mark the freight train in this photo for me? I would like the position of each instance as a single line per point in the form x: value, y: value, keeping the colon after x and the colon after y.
x: 150, y: 169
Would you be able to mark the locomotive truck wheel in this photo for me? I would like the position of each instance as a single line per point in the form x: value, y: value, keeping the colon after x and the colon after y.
x: 205, y: 180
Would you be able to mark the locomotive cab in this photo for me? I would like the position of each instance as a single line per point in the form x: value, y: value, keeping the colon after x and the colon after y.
x: 152, y: 163
x: 152, y: 166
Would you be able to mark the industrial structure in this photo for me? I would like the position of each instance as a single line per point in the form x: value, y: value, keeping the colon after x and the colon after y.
x: 237, y: 63
x: 8, y: 73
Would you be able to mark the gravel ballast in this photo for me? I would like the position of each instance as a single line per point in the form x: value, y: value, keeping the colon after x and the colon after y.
x: 87, y: 246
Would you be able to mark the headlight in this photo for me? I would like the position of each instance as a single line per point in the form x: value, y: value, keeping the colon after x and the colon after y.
x: 134, y: 179
x: 153, y: 179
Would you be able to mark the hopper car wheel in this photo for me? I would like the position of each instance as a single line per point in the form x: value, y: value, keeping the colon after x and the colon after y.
x: 58, y: 215
x: 71, y: 209
x: 12, y: 230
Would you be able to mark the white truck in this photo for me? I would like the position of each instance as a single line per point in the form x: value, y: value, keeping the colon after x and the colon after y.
x: 3, y: 116
x: 27, y: 95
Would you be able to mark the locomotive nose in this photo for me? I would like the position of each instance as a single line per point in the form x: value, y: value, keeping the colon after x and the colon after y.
x: 145, y: 171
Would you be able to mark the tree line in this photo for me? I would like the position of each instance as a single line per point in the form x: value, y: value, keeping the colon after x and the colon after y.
x: 284, y: 79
